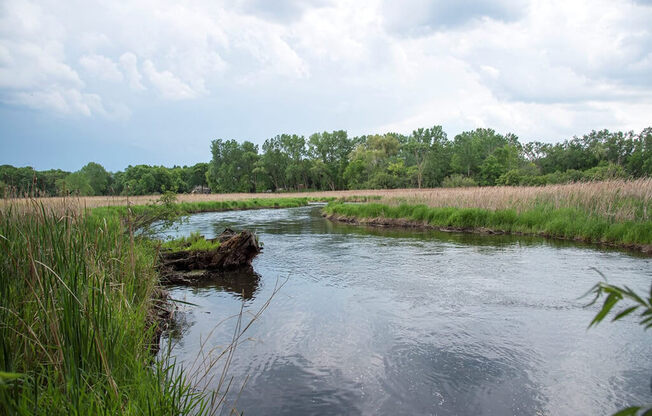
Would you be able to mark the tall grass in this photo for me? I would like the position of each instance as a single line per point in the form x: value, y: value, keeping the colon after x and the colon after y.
x: 613, y: 212
x: 542, y: 218
x: 75, y: 292
x: 205, y: 200
x: 621, y: 199
x: 78, y: 294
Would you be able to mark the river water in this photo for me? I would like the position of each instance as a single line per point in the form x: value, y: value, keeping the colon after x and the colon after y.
x: 376, y: 321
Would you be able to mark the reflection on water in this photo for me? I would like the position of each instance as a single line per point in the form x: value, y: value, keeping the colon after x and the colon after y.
x: 458, y: 381
x: 290, y: 385
x: 390, y: 321
x: 241, y: 283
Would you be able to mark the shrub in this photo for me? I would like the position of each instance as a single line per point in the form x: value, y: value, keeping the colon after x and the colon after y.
x: 458, y: 181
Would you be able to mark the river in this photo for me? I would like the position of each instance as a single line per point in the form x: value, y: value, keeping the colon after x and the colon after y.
x: 377, y: 321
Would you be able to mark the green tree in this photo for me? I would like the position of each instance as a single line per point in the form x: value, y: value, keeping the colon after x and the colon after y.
x: 466, y: 157
x: 274, y: 161
x: 98, y: 178
x: 640, y: 161
x: 332, y: 149
x: 370, y: 163
x: 296, y: 170
x: 146, y: 180
x: 197, y: 175
x: 420, y: 145
x: 20, y: 181
x: 232, y: 165
x: 484, y: 154
x: 47, y: 180
x: 490, y: 170
x: 75, y: 183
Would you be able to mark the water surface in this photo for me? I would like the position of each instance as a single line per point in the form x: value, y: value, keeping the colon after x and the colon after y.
x: 377, y: 321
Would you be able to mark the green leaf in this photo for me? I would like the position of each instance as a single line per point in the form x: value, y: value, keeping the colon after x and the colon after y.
x: 634, y: 296
x: 629, y: 411
x: 624, y: 313
x: 609, y: 303
x: 5, y: 376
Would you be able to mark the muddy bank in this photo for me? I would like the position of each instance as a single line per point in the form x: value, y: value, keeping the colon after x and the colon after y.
x: 405, y: 223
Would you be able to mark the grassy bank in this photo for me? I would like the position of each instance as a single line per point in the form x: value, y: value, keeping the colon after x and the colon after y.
x: 77, y: 292
x: 143, y: 215
x: 209, y: 206
x: 540, y: 219
x: 90, y: 202
x: 75, y: 296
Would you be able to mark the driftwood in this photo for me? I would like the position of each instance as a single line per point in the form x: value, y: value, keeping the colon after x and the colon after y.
x: 228, y: 266
x: 236, y: 251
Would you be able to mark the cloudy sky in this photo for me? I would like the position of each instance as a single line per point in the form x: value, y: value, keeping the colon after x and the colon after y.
x: 154, y: 81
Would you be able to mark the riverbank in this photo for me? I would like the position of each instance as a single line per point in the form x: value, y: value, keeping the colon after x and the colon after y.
x: 542, y: 220
x: 78, y: 299
x: 75, y: 296
x: 193, y: 207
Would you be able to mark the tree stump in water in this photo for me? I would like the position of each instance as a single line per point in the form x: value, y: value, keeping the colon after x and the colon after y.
x: 236, y: 251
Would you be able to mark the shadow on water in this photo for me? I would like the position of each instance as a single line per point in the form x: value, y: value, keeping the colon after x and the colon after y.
x: 241, y: 284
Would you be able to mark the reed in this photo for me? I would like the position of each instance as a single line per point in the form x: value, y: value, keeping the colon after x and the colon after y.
x: 613, y: 212
x: 621, y: 199
x: 77, y: 300
x: 75, y: 337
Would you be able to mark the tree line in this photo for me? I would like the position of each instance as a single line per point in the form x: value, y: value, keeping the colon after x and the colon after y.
x: 93, y: 179
x: 333, y: 161
x: 425, y: 158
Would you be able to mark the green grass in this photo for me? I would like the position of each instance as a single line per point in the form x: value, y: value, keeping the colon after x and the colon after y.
x: 358, y: 198
x: 183, y: 208
x: 568, y: 223
x: 191, y: 243
x: 75, y: 296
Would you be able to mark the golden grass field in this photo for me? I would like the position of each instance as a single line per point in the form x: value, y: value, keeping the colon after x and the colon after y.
x: 620, y: 200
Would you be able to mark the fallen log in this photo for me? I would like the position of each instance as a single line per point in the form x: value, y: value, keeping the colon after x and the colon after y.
x: 236, y: 251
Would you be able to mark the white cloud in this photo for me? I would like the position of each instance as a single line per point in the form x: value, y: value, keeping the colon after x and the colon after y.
x: 32, y: 45
x: 561, y: 69
x: 63, y: 100
x: 168, y: 85
x: 93, y: 41
x: 30, y: 65
x: 101, y: 67
x: 33, y: 70
x: 535, y: 67
x: 129, y: 63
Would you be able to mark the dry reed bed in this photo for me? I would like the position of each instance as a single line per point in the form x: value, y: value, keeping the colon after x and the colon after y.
x: 620, y: 200
x: 61, y: 204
